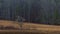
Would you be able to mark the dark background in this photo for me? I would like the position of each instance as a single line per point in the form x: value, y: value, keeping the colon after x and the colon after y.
x: 36, y: 11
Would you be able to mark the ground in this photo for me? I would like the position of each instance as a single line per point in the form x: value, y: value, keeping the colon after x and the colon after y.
x: 29, y: 28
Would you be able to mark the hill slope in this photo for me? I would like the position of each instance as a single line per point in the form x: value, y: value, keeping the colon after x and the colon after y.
x: 30, y: 27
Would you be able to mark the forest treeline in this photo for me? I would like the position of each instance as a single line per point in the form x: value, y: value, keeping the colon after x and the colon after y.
x: 38, y: 11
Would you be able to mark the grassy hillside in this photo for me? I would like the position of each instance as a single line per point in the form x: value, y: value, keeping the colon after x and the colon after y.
x: 29, y: 28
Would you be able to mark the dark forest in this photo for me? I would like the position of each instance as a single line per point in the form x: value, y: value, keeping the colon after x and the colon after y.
x: 36, y: 11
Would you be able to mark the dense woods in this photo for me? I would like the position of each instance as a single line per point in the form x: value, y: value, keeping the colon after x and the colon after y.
x: 39, y: 11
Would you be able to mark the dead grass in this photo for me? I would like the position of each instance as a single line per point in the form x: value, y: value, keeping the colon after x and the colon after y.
x: 30, y: 28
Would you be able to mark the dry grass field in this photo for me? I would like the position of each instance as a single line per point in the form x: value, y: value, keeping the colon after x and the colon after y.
x: 29, y: 28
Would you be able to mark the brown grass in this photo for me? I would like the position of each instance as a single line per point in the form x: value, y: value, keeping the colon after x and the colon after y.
x: 30, y: 28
